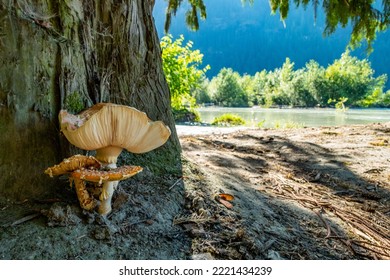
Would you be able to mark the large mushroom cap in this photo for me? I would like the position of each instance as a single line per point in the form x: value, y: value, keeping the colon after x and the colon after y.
x: 111, y: 125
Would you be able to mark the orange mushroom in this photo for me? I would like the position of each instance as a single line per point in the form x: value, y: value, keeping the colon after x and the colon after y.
x: 82, y: 169
x: 100, y: 176
x: 109, y: 128
x: 112, y: 176
x: 71, y: 164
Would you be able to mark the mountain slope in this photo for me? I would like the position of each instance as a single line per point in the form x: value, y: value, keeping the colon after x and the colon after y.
x: 249, y: 39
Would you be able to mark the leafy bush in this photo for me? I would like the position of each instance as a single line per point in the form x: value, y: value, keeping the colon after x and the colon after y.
x: 186, y: 115
x: 182, y: 69
x: 228, y: 120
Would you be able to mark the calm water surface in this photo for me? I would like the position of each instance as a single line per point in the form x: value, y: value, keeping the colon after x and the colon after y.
x: 301, y: 117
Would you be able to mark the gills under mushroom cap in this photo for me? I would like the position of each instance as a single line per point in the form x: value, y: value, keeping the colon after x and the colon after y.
x: 107, y: 125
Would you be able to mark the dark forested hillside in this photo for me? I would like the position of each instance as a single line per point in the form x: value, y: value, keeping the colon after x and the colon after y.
x: 248, y: 38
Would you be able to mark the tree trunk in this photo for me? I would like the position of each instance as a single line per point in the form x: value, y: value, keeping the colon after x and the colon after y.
x: 70, y: 55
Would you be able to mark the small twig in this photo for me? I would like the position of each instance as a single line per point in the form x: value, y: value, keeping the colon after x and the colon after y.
x: 174, y: 184
x: 328, y: 229
x: 25, y: 219
x: 373, y: 250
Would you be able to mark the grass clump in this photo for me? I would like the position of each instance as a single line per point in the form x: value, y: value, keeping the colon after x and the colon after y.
x: 291, y: 125
x: 260, y: 124
x: 287, y: 125
x: 186, y: 115
x: 228, y: 120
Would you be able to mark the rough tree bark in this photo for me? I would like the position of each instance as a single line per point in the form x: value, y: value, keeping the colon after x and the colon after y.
x: 69, y: 55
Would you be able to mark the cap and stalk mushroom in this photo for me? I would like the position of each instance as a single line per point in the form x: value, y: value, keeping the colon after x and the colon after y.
x: 109, y: 128
x: 82, y: 169
x: 71, y: 164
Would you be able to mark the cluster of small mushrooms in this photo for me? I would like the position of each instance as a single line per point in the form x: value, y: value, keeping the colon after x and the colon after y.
x: 107, y: 128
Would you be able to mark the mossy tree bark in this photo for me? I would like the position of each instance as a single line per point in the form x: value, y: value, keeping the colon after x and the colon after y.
x: 70, y: 55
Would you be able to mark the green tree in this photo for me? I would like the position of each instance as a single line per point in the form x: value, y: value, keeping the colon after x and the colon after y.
x: 259, y: 83
x: 271, y: 89
x: 301, y: 95
x: 278, y: 86
x: 182, y: 68
x: 315, y: 82
x: 351, y: 78
x: 228, y: 91
x: 285, y: 89
x: 202, y: 94
x: 247, y: 83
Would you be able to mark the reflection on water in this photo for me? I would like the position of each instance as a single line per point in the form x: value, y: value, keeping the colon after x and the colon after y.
x: 304, y: 117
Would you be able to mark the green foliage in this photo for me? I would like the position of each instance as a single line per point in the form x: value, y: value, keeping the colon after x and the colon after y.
x: 259, y: 82
x: 227, y: 90
x: 367, y: 19
x: 385, y: 100
x: 347, y: 82
x: 248, y: 85
x: 376, y: 99
x: 349, y: 77
x: 186, y: 115
x: 73, y: 103
x: 192, y: 18
x: 182, y: 70
x: 202, y: 94
x: 228, y: 120
x: 339, y: 103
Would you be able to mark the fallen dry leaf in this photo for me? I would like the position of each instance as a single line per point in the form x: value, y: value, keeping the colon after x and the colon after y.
x: 225, y: 203
x: 226, y: 196
x: 224, y: 199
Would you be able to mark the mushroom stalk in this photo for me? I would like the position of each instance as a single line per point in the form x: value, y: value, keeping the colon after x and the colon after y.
x: 106, y: 196
x: 86, y: 201
x: 108, y: 154
x: 107, y: 192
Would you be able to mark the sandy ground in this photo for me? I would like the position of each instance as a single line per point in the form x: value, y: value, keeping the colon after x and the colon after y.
x: 186, y: 130
x: 308, y: 193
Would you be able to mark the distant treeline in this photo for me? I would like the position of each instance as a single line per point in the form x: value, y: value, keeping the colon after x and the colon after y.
x: 247, y: 38
x: 347, y: 82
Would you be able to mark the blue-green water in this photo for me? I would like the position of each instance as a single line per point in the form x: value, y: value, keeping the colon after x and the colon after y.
x: 299, y: 117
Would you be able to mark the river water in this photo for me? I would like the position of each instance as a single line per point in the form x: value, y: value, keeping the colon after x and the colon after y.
x: 271, y: 117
